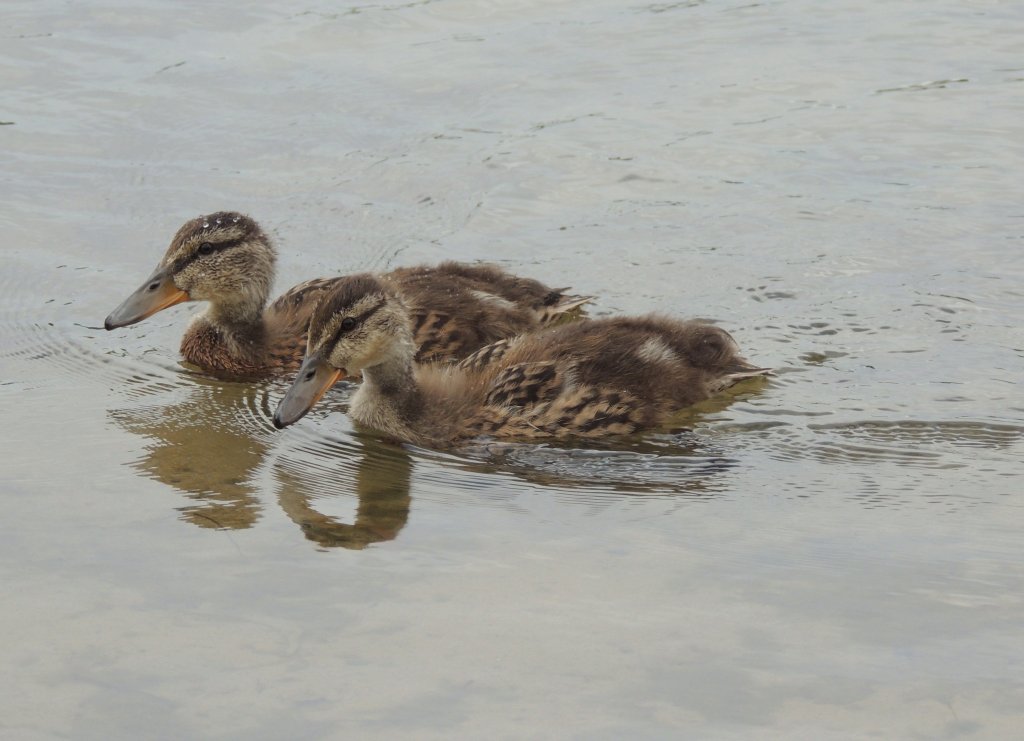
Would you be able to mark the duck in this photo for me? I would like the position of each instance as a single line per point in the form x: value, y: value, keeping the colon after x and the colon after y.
x: 227, y: 260
x: 595, y: 378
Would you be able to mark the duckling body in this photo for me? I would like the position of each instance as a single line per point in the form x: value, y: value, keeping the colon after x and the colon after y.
x: 226, y: 259
x: 594, y: 378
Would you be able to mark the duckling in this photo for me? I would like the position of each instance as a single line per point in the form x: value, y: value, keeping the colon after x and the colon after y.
x: 598, y: 377
x: 225, y: 258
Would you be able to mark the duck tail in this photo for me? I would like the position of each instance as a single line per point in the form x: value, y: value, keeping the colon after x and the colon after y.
x: 738, y: 371
x: 559, y: 307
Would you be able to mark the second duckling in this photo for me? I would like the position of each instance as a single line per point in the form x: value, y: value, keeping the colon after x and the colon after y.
x: 589, y: 379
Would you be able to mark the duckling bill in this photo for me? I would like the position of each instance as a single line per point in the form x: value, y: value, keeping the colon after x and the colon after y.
x: 157, y: 293
x: 314, y: 378
x: 593, y: 378
x: 227, y: 260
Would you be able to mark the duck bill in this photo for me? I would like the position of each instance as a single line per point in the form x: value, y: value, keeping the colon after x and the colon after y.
x: 315, y: 377
x: 156, y: 294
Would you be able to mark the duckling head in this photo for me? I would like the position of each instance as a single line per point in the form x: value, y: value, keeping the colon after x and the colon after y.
x: 709, y: 346
x: 360, y: 325
x: 714, y: 351
x: 224, y: 258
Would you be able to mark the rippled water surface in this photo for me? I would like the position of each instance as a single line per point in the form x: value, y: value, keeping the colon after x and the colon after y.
x: 834, y: 554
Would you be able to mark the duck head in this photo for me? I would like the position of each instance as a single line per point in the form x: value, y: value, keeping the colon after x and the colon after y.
x: 358, y: 326
x: 224, y: 258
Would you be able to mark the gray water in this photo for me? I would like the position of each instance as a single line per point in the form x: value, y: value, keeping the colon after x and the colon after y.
x: 834, y: 555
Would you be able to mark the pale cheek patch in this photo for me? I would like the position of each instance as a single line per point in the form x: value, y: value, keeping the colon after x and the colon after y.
x: 353, y: 352
x: 186, y: 280
x: 654, y: 350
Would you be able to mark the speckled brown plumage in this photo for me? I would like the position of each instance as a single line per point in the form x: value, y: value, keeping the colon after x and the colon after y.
x: 588, y: 379
x: 457, y: 309
x: 604, y: 377
x: 486, y: 354
x: 226, y: 259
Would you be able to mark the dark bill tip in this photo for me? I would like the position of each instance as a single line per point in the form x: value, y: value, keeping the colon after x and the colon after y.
x: 314, y: 378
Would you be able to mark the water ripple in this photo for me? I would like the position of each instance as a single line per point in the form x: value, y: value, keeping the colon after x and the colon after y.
x: 914, y: 444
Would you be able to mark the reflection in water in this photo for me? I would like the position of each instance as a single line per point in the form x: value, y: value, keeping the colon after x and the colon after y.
x: 382, y: 479
x: 211, y: 444
x: 675, y: 462
x: 208, y: 446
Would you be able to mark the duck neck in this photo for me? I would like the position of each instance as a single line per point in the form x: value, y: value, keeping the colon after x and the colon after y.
x: 241, y: 316
x: 228, y: 337
x: 390, y: 398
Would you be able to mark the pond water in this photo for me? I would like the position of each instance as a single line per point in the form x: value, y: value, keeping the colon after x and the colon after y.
x: 836, y: 554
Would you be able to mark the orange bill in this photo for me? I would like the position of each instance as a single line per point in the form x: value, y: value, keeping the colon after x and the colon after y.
x: 156, y: 294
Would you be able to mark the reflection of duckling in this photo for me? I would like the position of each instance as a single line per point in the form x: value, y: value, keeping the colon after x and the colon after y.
x: 204, y: 445
x: 589, y: 379
x: 381, y: 484
x: 226, y: 259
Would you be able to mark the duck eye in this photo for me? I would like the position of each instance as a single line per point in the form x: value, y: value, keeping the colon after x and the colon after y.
x: 348, y: 323
x: 205, y: 248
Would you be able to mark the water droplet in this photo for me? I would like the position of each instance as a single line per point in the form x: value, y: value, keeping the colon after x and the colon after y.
x: 206, y: 225
x: 235, y: 220
x: 218, y: 222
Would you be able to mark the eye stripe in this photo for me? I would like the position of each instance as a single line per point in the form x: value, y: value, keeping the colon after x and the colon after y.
x: 182, y: 262
x: 359, y: 320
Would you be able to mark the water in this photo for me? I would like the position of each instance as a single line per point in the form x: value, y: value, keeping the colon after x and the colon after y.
x: 835, y: 555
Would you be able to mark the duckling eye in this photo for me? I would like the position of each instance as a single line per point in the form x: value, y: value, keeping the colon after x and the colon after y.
x: 205, y: 248
x: 347, y: 323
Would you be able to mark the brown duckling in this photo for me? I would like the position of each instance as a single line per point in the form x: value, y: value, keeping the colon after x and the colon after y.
x: 226, y: 259
x: 588, y: 379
